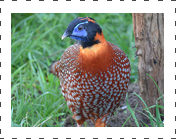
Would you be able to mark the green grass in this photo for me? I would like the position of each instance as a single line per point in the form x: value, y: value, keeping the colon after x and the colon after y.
x: 154, y: 121
x: 36, y: 98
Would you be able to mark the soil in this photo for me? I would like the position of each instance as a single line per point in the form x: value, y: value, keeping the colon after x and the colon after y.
x: 122, y: 113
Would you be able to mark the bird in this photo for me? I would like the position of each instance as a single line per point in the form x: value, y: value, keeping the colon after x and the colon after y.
x: 94, y: 73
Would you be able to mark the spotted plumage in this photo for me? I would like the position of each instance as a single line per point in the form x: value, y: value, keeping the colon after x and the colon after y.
x: 94, y: 73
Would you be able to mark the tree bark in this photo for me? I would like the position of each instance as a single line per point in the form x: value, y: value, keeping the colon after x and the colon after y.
x: 149, y: 41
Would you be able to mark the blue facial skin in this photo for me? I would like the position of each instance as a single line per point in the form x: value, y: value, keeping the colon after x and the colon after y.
x: 80, y: 35
x: 79, y: 38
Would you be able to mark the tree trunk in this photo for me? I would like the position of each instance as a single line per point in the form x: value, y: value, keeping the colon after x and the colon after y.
x: 149, y: 41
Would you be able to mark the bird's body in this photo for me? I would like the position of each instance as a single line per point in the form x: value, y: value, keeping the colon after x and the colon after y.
x: 94, y: 77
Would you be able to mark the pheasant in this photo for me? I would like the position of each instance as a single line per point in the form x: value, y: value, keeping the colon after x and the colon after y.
x: 94, y: 73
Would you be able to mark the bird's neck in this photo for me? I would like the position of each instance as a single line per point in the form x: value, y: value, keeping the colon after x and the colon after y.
x: 91, y: 42
x: 96, y: 48
x: 100, y: 38
x: 96, y: 56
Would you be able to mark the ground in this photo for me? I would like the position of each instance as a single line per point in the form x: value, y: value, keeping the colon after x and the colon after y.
x: 122, y: 112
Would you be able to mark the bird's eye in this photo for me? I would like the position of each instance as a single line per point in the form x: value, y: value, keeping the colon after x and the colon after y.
x: 80, y: 27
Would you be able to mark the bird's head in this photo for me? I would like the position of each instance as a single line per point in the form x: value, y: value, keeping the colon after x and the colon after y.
x: 85, y: 31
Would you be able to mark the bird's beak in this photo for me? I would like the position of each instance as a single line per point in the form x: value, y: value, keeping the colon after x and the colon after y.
x: 64, y: 35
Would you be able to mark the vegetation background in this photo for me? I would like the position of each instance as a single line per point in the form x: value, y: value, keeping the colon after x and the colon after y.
x: 36, y: 98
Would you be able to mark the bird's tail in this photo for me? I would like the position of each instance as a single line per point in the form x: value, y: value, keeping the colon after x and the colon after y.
x: 52, y: 67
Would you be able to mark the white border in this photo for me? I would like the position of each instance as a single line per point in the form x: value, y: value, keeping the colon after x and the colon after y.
x: 88, y: 6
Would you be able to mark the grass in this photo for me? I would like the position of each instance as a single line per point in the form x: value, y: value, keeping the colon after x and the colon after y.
x: 154, y: 121
x: 36, y: 98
